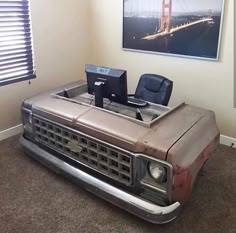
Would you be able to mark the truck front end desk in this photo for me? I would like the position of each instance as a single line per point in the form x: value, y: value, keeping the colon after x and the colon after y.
x: 145, y: 165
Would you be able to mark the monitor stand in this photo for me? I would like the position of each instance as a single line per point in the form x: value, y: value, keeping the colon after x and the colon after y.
x: 98, y: 89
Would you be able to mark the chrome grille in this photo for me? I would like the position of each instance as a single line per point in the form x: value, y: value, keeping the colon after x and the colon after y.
x: 101, y: 157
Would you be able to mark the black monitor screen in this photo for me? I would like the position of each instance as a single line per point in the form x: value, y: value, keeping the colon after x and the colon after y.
x: 114, y: 82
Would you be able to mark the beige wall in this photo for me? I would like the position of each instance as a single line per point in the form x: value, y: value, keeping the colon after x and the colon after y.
x: 68, y: 36
x: 60, y: 44
x: 203, y: 83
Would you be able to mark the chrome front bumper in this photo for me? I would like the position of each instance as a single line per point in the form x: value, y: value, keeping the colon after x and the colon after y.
x: 133, y: 204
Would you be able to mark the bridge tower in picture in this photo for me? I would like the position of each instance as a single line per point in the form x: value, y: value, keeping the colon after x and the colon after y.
x: 166, y: 14
x: 210, y: 14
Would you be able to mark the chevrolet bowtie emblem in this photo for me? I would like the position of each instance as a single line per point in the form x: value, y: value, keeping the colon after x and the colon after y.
x: 74, y: 146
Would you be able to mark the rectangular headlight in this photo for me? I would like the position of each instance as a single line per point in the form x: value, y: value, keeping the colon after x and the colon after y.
x: 27, y: 119
x: 156, y: 174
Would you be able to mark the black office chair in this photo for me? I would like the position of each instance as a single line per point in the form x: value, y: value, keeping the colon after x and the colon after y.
x: 154, y: 88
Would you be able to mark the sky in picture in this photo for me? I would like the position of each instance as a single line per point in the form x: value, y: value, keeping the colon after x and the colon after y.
x: 138, y: 7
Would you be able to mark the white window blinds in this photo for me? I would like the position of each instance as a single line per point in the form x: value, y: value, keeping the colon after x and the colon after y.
x: 16, y: 52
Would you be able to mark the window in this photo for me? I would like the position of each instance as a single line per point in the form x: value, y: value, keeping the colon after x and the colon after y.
x: 16, y: 51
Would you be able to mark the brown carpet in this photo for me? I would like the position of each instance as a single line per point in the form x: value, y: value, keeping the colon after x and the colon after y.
x: 34, y: 199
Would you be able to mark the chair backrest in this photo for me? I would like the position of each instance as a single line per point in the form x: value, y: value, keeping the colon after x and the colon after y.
x: 154, y: 88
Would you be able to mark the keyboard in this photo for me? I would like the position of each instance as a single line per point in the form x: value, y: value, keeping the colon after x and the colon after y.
x: 136, y: 102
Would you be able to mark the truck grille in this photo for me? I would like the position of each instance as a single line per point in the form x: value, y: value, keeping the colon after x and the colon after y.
x: 98, y: 156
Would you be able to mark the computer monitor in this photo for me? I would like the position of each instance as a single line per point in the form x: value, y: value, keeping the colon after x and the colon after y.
x: 104, y: 82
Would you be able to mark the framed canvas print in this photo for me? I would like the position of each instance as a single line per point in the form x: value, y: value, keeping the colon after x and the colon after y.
x: 189, y: 28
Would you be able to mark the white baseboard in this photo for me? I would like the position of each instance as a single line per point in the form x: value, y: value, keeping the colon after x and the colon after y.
x: 228, y: 141
x: 11, y: 132
x: 224, y: 140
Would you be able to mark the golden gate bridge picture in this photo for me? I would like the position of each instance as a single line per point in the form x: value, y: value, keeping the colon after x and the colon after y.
x: 175, y: 27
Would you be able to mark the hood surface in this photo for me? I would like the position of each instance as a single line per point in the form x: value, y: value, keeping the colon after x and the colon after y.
x: 154, y: 141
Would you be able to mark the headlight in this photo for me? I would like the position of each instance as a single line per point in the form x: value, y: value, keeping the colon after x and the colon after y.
x: 27, y: 119
x: 30, y: 119
x: 157, y: 172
